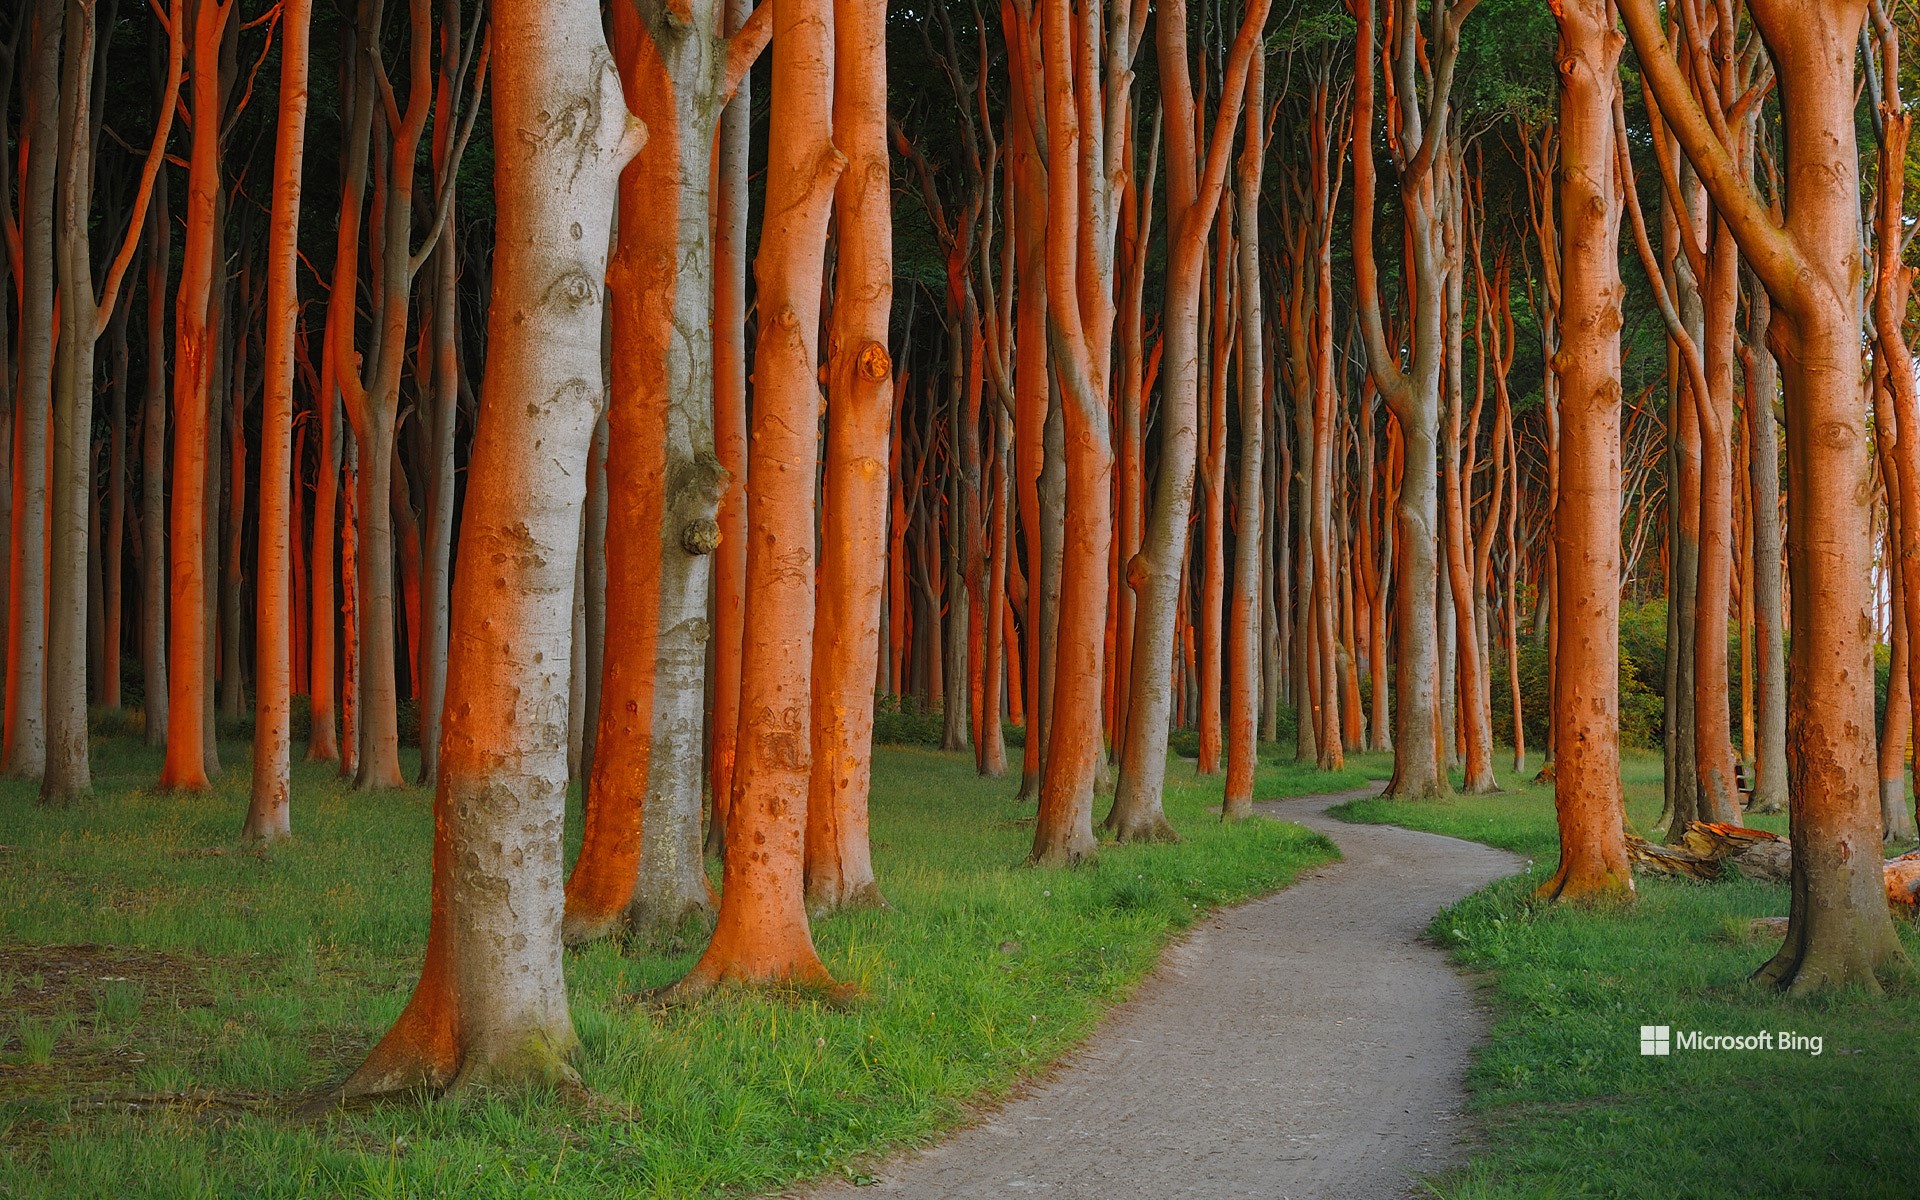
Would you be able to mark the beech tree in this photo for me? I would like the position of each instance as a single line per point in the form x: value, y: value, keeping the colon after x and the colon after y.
x: 267, y: 814
x: 1194, y: 187
x: 189, y: 696
x: 641, y: 860
x: 1838, y: 933
x: 491, y: 1008
x: 1412, y: 393
x: 846, y: 635
x: 1586, y: 519
x: 761, y: 932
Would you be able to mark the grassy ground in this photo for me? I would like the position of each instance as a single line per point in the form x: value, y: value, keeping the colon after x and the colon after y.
x: 1570, y: 1105
x: 165, y: 996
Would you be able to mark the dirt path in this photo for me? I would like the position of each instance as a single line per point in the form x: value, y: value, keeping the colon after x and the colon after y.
x: 1306, y: 1045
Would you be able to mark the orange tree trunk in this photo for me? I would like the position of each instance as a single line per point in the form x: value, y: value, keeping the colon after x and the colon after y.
x: 730, y: 202
x: 491, y: 1007
x: 1080, y: 320
x: 1213, y: 547
x: 153, y: 476
x: 1027, y: 178
x: 761, y: 934
x: 1896, y: 724
x: 1902, y: 452
x: 185, y: 765
x: 846, y: 636
x: 267, y: 816
x: 1593, y: 853
x: 1839, y: 933
x: 1243, y: 626
x: 640, y: 862
x: 1412, y: 394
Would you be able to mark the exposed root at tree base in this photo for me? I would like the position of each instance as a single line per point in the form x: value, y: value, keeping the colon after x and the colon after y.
x: 1147, y: 827
x: 822, y: 903
x: 680, y: 926
x: 793, y: 989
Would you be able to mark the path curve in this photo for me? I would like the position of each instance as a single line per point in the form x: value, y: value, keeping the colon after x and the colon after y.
x: 1309, y: 1044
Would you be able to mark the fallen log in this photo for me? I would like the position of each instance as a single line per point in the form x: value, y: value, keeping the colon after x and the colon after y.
x: 1903, y: 883
x: 1706, y: 848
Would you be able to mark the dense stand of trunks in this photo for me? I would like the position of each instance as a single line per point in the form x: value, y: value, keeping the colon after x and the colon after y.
x: 1287, y: 379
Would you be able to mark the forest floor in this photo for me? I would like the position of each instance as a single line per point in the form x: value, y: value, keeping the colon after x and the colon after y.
x: 167, y: 998
x: 1570, y: 1106
x: 1310, y: 1044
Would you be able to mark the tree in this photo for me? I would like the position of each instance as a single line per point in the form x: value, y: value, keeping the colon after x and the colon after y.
x: 1243, y: 627
x: 1412, y: 394
x: 491, y: 1008
x: 1838, y: 930
x: 1194, y: 187
x: 1586, y: 519
x: 640, y: 861
x: 267, y: 815
x: 26, y: 730
x: 370, y: 383
x: 761, y: 933
x: 186, y: 763
x: 846, y: 637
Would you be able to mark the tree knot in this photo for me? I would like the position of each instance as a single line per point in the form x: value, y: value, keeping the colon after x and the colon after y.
x: 701, y: 536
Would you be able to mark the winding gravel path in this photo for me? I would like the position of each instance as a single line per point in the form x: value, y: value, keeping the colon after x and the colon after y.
x: 1309, y: 1044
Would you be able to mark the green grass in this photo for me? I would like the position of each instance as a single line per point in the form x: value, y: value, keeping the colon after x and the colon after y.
x: 1570, y: 1106
x: 166, y: 996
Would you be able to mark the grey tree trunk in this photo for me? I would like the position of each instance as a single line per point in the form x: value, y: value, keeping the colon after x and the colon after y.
x: 153, y: 477
x: 493, y: 982
x: 1769, y: 613
x: 26, y: 729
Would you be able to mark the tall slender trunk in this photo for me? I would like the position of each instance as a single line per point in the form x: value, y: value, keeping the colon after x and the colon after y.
x: 1028, y: 183
x: 1896, y: 723
x: 852, y: 579
x: 1244, y: 627
x: 113, y: 518
x: 491, y: 1006
x: 1213, y: 487
x: 1193, y: 192
x: 1763, y: 460
x: 323, y: 742
x: 1892, y: 281
x: 1839, y: 933
x: 730, y: 203
x: 25, y: 754
x: 442, y: 405
x: 153, y: 476
x: 1586, y: 524
x: 267, y: 814
x: 1412, y: 394
x: 186, y: 764
x: 761, y: 932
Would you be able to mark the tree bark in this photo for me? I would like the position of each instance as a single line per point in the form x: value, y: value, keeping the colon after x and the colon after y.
x: 640, y: 863
x: 730, y: 203
x: 186, y: 765
x: 267, y: 814
x: 1838, y: 932
x: 25, y: 753
x: 1193, y: 197
x: 1244, y: 627
x: 491, y: 1006
x: 761, y: 933
x: 1586, y: 520
x: 852, y: 579
x: 153, y: 476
